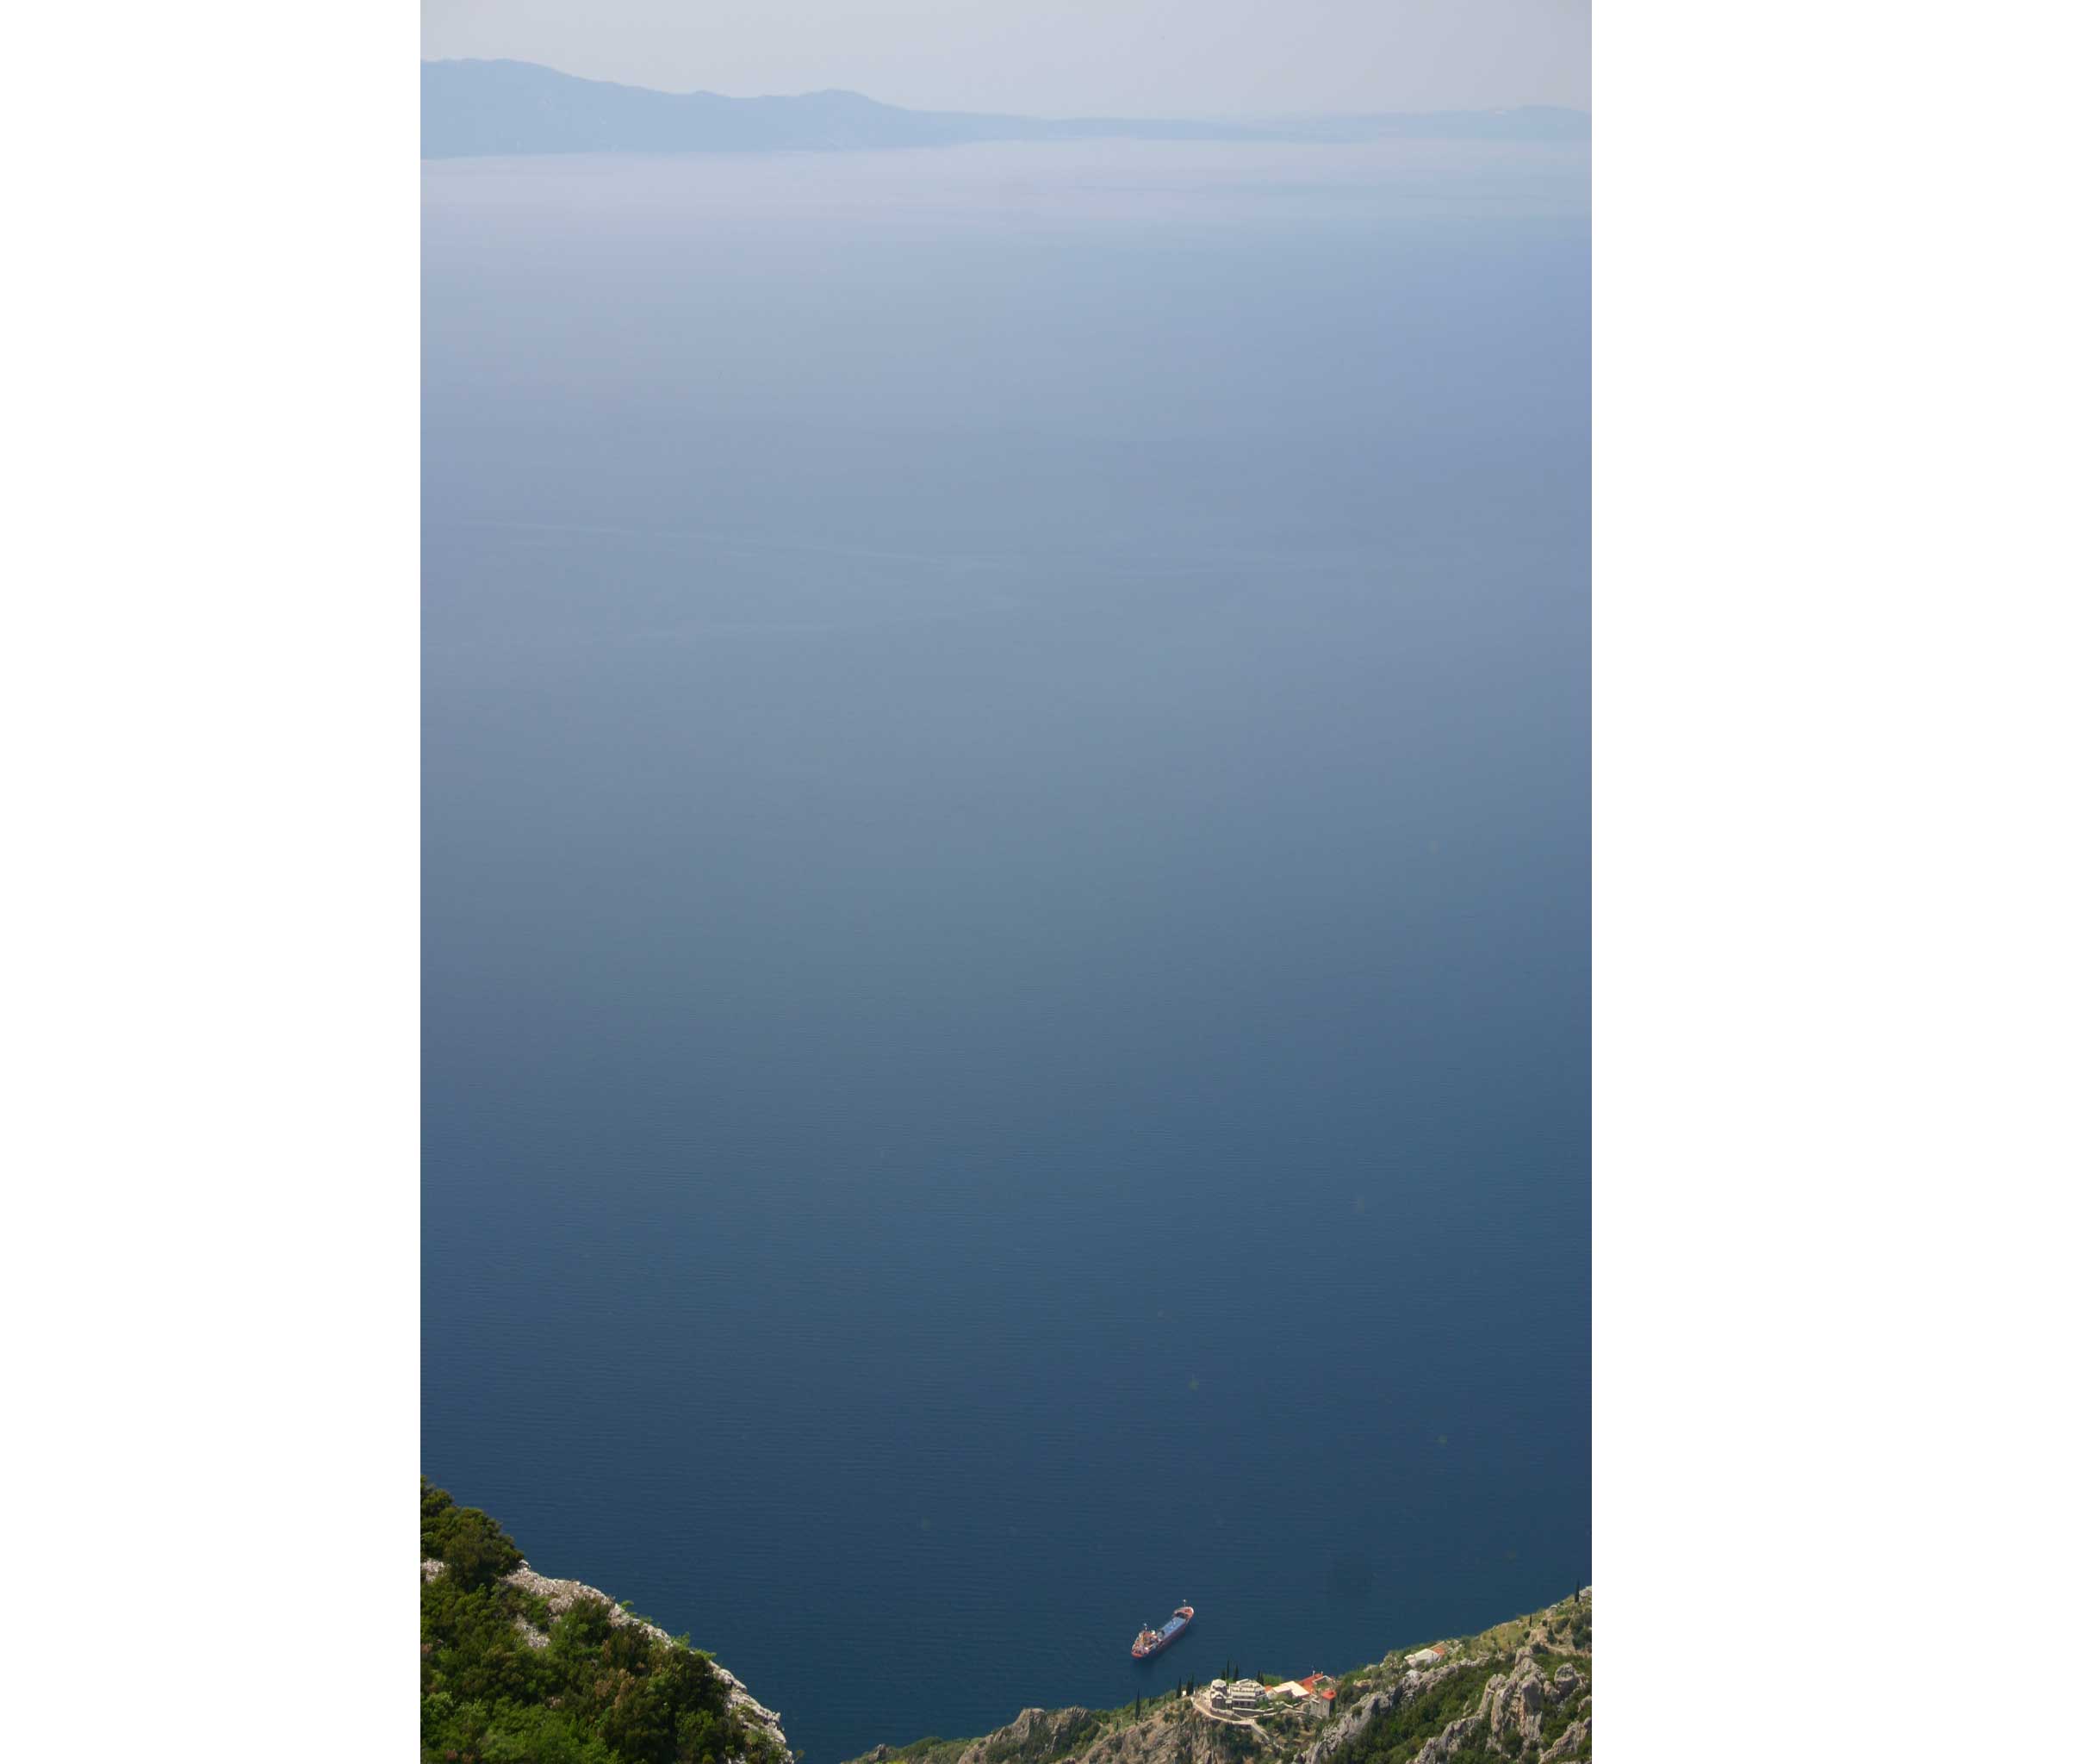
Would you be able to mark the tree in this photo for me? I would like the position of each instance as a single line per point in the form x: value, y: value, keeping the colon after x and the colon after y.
x: 475, y: 1549
x: 470, y: 1543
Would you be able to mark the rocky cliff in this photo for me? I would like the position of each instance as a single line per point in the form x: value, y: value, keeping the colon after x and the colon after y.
x: 517, y: 1667
x: 560, y: 1596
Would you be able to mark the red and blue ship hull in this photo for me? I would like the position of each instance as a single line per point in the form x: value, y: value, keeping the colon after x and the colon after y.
x: 1150, y: 1642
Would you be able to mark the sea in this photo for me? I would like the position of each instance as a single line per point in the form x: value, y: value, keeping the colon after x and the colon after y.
x: 1006, y: 885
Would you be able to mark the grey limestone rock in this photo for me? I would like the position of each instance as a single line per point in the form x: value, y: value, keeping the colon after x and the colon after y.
x: 1447, y: 1741
x: 1514, y: 1703
x: 1568, y: 1742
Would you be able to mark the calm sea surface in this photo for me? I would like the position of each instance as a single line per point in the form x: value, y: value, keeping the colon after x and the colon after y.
x: 1006, y: 903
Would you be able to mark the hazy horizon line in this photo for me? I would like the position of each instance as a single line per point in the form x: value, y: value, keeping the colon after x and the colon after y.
x: 853, y: 92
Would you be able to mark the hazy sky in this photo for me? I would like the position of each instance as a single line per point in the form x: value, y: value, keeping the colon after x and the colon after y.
x: 1206, y: 58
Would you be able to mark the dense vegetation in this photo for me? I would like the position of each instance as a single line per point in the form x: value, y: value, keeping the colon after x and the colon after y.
x: 493, y: 1690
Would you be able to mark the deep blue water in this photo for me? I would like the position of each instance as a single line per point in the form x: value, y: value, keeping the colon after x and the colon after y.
x: 1006, y: 746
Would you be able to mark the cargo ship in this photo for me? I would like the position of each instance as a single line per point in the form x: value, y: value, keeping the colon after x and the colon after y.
x: 1151, y: 1641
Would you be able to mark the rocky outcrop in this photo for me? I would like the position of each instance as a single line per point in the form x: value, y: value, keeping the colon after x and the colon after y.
x: 1569, y: 1743
x: 559, y: 1597
x: 1341, y: 1732
x: 1344, y: 1727
x: 1513, y: 1705
x: 1035, y: 1734
x: 1448, y: 1742
x: 1528, y: 1708
x: 1173, y: 1732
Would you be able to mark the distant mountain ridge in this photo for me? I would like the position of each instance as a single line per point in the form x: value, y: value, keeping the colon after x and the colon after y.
x: 479, y: 109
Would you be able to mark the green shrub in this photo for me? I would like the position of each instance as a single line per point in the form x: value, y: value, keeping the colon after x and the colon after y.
x: 474, y: 1548
x: 599, y: 1694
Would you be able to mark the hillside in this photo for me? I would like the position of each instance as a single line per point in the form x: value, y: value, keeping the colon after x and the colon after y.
x: 518, y: 1668
x: 1520, y: 1691
x: 470, y: 108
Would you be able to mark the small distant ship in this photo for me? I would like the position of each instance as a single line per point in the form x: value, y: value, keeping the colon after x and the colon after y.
x: 1151, y: 1641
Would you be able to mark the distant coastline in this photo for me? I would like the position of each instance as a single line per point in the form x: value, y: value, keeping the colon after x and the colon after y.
x: 475, y: 109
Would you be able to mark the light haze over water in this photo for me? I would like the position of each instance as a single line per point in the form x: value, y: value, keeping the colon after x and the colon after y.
x: 1006, y: 748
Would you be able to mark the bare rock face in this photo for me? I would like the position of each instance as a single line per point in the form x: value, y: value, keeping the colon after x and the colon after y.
x: 1513, y: 1705
x: 1569, y: 1741
x: 1035, y: 1733
x: 1530, y: 1718
x: 1172, y: 1733
x: 1448, y: 1741
x: 1345, y: 1726
x: 1074, y: 1736
x: 1564, y: 1685
x: 1339, y: 1731
x: 1493, y: 1704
